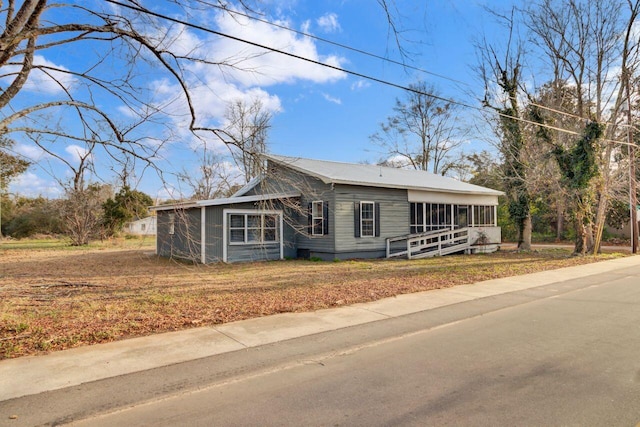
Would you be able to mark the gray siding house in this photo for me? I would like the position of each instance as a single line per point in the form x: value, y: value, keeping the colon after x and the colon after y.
x: 330, y: 210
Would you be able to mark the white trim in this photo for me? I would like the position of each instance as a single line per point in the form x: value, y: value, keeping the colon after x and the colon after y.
x: 226, y: 201
x: 281, y: 235
x: 203, y: 235
x: 362, y: 202
x: 225, y: 230
x: 472, y: 208
x: 451, y: 198
x: 224, y: 235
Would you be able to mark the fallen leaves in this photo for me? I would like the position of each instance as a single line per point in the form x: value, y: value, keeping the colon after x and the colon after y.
x: 55, y: 299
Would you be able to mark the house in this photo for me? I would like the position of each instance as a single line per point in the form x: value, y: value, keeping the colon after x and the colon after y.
x: 330, y: 210
x: 142, y: 227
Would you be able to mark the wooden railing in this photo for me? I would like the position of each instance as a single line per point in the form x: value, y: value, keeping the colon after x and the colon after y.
x: 430, y: 243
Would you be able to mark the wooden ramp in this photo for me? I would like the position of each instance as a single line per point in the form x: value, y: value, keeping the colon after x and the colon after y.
x: 429, y: 244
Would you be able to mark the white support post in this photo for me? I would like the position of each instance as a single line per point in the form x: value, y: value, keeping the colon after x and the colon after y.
x: 203, y: 234
x: 473, y: 216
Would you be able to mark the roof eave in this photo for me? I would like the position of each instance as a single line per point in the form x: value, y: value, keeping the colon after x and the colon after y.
x: 412, y: 187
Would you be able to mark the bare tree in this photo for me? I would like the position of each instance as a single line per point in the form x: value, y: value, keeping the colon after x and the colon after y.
x: 246, y: 135
x: 82, y: 212
x: 211, y: 178
x: 423, y: 132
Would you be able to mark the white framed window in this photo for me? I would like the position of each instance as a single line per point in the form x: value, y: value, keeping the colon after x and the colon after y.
x: 250, y: 228
x: 317, y: 218
x: 367, y: 219
x: 483, y: 216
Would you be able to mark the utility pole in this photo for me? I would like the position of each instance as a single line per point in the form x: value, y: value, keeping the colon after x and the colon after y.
x: 633, y: 200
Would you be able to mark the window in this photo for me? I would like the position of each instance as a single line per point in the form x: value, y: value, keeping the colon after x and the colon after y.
x: 483, y: 216
x: 236, y: 229
x: 317, y: 218
x: 143, y: 227
x: 430, y: 217
x: 172, y: 223
x: 253, y: 228
x: 366, y: 219
x: 417, y: 218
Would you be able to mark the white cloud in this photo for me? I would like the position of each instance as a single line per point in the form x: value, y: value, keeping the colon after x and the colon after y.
x: 306, y: 27
x: 360, y: 84
x: 28, y: 151
x: 31, y: 185
x: 51, y: 81
x: 76, y: 152
x: 248, y: 77
x: 260, y: 67
x: 332, y: 99
x: 329, y: 23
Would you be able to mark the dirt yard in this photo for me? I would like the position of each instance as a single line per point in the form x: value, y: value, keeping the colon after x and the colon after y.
x: 56, y: 298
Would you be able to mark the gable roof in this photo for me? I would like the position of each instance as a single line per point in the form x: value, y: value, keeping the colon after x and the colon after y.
x: 331, y: 172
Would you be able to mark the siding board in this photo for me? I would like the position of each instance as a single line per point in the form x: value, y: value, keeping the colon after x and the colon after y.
x: 394, y: 217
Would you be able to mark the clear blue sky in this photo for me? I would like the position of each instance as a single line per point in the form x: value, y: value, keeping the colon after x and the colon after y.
x: 318, y: 112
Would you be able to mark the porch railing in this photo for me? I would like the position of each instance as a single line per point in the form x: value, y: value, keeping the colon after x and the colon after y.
x: 427, y: 244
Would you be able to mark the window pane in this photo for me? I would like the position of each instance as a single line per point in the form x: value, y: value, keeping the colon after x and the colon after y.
x: 317, y: 209
x: 367, y: 211
x: 317, y: 227
x: 367, y: 228
x: 434, y: 214
x: 236, y: 236
x: 254, y: 221
x: 270, y: 235
x: 269, y: 221
x: 237, y: 221
x: 254, y: 235
x: 412, y: 213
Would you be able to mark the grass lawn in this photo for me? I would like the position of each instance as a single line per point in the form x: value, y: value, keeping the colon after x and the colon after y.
x: 54, y: 297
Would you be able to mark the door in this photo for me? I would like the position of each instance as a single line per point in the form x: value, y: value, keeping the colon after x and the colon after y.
x: 462, y: 217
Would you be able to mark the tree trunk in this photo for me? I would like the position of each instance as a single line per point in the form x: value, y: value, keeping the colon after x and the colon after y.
x: 524, y: 240
x: 581, y: 232
x: 559, y: 219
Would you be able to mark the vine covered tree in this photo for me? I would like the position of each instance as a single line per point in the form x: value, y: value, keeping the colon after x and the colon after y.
x: 506, y: 75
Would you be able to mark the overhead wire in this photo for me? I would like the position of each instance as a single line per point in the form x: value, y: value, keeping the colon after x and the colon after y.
x: 334, y: 43
x: 366, y: 53
x: 340, y: 69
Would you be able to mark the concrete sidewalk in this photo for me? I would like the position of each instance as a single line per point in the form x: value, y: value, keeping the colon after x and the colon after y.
x: 36, y: 374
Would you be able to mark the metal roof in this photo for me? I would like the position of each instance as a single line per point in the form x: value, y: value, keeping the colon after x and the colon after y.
x: 331, y: 172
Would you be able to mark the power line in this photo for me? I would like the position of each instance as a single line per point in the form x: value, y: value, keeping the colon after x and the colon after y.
x: 366, y: 53
x: 343, y: 70
x: 334, y: 43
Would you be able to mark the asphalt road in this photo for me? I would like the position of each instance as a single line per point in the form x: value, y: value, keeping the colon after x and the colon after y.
x: 564, y: 354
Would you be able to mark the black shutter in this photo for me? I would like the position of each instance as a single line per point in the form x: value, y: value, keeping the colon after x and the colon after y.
x: 310, y: 218
x: 356, y: 219
x: 325, y: 218
x: 377, y: 218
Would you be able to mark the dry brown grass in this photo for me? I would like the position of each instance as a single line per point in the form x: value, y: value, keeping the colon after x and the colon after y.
x: 54, y: 298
